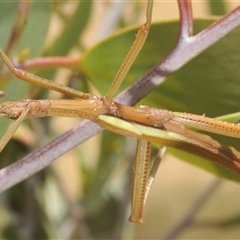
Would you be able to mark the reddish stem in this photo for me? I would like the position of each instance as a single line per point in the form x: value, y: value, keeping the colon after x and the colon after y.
x: 49, y: 62
x: 186, y: 19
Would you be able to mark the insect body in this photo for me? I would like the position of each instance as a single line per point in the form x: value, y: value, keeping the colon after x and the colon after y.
x: 143, y: 122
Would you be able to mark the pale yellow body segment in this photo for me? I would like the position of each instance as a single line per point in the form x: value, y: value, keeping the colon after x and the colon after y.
x: 207, y: 124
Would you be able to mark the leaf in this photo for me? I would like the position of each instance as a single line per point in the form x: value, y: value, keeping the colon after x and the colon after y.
x: 217, y: 7
x: 33, y: 38
x: 209, y: 84
x: 72, y: 31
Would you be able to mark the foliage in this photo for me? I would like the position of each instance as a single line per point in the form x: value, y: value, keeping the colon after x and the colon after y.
x: 100, y: 211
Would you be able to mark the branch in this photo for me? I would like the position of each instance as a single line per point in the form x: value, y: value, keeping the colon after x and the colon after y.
x: 186, y: 48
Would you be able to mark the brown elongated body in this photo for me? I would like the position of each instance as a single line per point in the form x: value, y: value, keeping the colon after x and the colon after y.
x: 161, y: 126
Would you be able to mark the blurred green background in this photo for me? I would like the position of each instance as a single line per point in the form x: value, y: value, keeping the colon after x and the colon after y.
x: 85, y: 194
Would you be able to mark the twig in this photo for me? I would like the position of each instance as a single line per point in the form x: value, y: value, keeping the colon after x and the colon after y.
x: 187, y: 220
x: 183, y: 52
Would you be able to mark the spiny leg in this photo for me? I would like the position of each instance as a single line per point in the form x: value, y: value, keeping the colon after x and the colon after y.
x: 131, y: 56
x: 33, y: 79
x: 143, y: 178
x: 8, y: 135
x: 133, y: 52
x: 141, y: 169
x: 199, y: 122
x: 207, y: 124
x: 41, y: 82
x: 143, y: 150
x: 153, y: 170
x: 144, y: 147
x: 122, y: 72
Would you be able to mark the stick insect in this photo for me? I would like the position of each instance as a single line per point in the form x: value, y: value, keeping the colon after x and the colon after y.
x: 143, y: 122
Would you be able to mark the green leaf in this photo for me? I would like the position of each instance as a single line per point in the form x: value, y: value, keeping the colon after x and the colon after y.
x: 209, y: 84
x: 217, y: 7
x: 72, y: 31
x: 33, y: 38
